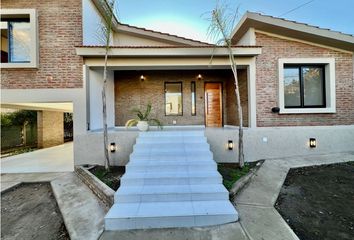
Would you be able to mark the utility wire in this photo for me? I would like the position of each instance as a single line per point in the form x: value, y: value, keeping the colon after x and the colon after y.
x: 296, y: 8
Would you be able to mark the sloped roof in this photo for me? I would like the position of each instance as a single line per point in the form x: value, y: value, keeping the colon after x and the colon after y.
x: 102, y: 7
x: 293, y: 29
x: 159, y: 35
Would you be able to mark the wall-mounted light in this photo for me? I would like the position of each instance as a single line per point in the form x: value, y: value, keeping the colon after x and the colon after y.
x: 275, y: 110
x: 142, y: 78
x: 230, y: 145
x: 199, y: 77
x: 312, y: 142
x: 113, y: 147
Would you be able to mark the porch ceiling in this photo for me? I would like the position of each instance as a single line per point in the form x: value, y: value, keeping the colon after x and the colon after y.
x: 60, y: 107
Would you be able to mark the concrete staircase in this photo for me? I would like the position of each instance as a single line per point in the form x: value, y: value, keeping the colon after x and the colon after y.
x: 171, y: 180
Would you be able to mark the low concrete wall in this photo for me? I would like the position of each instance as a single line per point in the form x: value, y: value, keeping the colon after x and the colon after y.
x: 88, y: 148
x: 101, y: 190
x: 264, y: 143
x: 259, y: 143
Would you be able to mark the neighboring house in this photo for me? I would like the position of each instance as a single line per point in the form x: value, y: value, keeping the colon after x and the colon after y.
x: 296, y: 80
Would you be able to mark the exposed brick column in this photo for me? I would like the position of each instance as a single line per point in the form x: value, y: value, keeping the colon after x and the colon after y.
x: 50, y: 127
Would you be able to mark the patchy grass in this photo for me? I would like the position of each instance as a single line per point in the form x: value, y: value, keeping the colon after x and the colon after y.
x: 231, y: 172
x: 111, y: 178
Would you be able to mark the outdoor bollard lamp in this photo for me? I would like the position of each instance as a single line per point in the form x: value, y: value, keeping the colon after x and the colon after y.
x: 230, y: 145
x: 312, y: 142
x: 113, y: 147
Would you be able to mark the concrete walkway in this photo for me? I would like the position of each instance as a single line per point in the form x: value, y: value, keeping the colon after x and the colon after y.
x: 82, y: 212
x: 259, y: 220
x: 54, y: 159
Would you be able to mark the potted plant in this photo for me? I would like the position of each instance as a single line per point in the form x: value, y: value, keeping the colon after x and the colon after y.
x: 142, y: 121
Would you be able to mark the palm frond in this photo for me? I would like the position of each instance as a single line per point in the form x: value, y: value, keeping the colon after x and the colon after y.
x: 131, y: 122
x: 148, y: 110
x: 157, y: 122
x: 138, y: 113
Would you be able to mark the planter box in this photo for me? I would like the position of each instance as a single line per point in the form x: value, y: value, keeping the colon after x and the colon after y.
x: 100, y: 189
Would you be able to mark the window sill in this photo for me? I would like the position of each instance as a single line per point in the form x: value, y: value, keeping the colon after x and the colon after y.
x: 306, y: 110
x: 19, y: 65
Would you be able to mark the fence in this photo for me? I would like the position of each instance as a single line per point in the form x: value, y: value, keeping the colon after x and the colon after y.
x: 13, y: 136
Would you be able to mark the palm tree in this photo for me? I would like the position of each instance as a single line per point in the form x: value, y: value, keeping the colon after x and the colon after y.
x: 105, y: 36
x: 222, y: 22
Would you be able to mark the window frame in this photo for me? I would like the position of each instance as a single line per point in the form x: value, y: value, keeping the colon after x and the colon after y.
x: 164, y: 95
x: 329, y: 85
x: 34, y: 58
x: 302, y: 84
x: 193, y: 83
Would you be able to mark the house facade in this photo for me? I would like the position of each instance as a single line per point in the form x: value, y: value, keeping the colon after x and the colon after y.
x: 296, y: 81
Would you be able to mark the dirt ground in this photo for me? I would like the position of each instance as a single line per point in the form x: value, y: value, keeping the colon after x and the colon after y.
x: 318, y: 202
x: 30, y: 211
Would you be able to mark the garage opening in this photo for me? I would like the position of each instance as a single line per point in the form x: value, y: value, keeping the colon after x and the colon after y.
x: 37, y: 137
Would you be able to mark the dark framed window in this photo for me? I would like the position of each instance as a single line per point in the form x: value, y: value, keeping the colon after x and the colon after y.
x: 304, y: 86
x: 173, y: 99
x: 193, y: 100
x: 16, y: 40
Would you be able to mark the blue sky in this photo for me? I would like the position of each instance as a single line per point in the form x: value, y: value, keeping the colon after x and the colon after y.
x: 187, y: 18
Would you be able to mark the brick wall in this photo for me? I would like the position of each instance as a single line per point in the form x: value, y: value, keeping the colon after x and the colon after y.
x: 60, y: 29
x: 131, y: 92
x: 267, y: 83
x: 50, y: 127
x: 232, y: 113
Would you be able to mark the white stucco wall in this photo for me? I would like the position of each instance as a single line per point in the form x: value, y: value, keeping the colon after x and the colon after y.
x: 123, y: 39
x: 281, y: 142
x: 95, y: 85
x: 91, y: 22
x: 249, y: 38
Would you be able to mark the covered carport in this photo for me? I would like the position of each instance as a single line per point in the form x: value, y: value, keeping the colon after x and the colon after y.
x: 53, y: 155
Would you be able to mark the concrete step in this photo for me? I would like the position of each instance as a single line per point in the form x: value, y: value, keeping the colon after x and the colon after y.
x: 156, y: 150
x: 167, y: 147
x: 171, y: 134
x: 175, y: 153
x: 171, y: 157
x: 171, y: 140
x: 171, y: 178
x: 169, y: 166
x: 171, y: 193
x: 169, y: 214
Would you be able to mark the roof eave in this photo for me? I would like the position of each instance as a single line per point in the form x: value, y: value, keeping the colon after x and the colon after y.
x: 293, y: 30
x: 167, y: 52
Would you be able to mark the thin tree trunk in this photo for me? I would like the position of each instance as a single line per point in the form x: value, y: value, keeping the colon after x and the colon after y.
x: 237, y: 90
x: 104, y: 111
x: 240, y: 116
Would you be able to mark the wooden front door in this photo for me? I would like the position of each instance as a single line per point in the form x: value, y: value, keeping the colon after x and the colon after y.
x: 213, y: 104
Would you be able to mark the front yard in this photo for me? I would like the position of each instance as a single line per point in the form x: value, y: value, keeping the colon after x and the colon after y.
x: 318, y: 202
x: 30, y: 211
